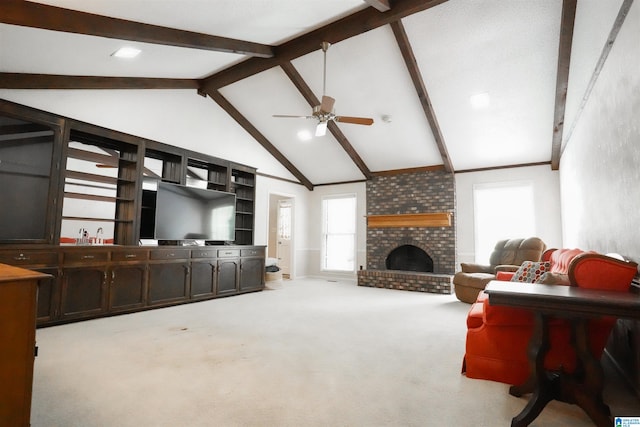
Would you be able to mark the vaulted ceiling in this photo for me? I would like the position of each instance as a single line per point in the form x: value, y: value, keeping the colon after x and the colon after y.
x: 211, y: 75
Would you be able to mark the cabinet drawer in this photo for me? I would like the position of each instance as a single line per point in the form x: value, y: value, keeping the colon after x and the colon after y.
x: 129, y: 256
x: 204, y: 253
x: 28, y: 258
x: 169, y: 254
x: 85, y: 256
x: 225, y: 253
x: 251, y: 252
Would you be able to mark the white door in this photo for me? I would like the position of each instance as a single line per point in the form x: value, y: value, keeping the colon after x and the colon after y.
x: 285, y: 215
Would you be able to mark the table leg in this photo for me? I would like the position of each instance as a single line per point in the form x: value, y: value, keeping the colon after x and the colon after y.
x: 588, y: 392
x: 543, y: 387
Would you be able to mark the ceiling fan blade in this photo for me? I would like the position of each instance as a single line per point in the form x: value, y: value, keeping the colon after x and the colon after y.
x: 293, y: 117
x: 354, y: 120
x: 326, y: 105
x: 321, y: 129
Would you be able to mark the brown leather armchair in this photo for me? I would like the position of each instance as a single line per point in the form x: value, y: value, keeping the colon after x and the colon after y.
x: 507, y: 255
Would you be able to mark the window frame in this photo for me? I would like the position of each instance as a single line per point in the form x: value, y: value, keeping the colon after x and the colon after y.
x: 325, y: 234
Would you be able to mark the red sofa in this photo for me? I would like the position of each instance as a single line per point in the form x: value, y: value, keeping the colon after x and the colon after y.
x: 498, y: 336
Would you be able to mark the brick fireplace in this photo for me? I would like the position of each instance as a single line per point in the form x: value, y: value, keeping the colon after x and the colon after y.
x: 411, y: 215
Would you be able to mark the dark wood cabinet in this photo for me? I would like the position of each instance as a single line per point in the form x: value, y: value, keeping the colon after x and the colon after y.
x: 48, y: 295
x: 203, y: 278
x: 168, y: 275
x: 252, y: 269
x: 203, y: 273
x: 44, y: 261
x: 228, y: 272
x: 127, y: 278
x: 18, y: 288
x: 84, y: 282
x: 127, y: 288
x: 84, y: 292
x: 168, y: 282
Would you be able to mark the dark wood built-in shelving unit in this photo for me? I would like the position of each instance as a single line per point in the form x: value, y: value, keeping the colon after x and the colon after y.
x: 61, y: 176
x: 56, y: 160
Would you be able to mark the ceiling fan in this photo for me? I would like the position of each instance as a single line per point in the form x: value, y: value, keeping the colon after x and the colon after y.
x: 324, y: 113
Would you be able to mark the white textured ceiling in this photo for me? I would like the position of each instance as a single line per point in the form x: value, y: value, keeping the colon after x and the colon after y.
x: 508, y: 49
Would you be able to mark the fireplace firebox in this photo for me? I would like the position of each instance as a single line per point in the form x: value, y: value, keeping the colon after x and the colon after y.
x: 409, y: 258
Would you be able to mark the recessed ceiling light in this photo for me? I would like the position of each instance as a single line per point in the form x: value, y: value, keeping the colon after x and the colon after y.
x: 126, y: 52
x: 304, y: 135
x: 480, y: 100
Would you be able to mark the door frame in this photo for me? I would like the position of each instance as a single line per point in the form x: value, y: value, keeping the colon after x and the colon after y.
x: 272, y: 233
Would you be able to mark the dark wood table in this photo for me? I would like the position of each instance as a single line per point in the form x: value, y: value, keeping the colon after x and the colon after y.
x: 584, y: 387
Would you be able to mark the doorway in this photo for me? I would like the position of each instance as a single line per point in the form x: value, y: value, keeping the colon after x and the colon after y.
x: 281, y: 208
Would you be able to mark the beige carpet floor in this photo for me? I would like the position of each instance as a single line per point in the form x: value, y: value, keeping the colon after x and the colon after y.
x: 306, y: 353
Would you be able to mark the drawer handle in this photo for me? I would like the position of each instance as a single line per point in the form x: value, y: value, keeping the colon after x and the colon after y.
x: 88, y: 257
x: 131, y: 256
x: 21, y: 257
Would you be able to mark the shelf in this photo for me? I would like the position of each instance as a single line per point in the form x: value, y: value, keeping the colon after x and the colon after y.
x: 35, y: 175
x: 440, y: 219
x: 80, y: 218
x: 96, y: 197
x: 84, y: 176
x: 241, y: 184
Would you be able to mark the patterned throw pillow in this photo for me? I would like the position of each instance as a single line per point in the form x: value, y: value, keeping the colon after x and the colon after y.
x: 530, y: 272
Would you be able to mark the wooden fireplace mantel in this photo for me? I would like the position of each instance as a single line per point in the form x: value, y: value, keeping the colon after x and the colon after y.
x: 438, y: 219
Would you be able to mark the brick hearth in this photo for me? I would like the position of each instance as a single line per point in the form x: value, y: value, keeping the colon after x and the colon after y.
x: 430, y: 192
x: 406, y: 281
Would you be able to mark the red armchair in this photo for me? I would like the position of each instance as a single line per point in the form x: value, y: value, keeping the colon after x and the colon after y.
x: 498, y: 337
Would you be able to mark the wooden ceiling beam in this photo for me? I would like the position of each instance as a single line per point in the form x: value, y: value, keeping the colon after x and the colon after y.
x: 308, y: 94
x: 562, y: 78
x: 52, y: 81
x: 255, y: 133
x: 606, y: 49
x: 345, y: 28
x: 421, y: 89
x: 36, y: 15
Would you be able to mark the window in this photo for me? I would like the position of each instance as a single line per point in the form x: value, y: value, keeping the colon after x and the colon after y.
x: 339, y: 233
x: 501, y: 211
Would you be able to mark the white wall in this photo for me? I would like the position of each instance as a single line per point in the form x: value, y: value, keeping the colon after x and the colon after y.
x: 264, y: 188
x: 546, y: 188
x: 599, y: 165
x: 315, y: 231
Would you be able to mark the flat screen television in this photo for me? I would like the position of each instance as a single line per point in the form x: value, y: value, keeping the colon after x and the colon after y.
x: 189, y: 213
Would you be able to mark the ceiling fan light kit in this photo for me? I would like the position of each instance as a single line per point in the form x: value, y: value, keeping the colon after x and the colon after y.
x: 324, y: 112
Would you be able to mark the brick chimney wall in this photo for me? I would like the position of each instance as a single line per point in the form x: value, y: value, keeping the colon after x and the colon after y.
x: 412, y: 193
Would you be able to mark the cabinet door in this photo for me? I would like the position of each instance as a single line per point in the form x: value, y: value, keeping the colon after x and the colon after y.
x: 168, y: 282
x: 83, y: 292
x: 127, y: 287
x: 228, y: 276
x: 251, y: 274
x: 48, y: 296
x: 203, y: 279
x: 28, y: 172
